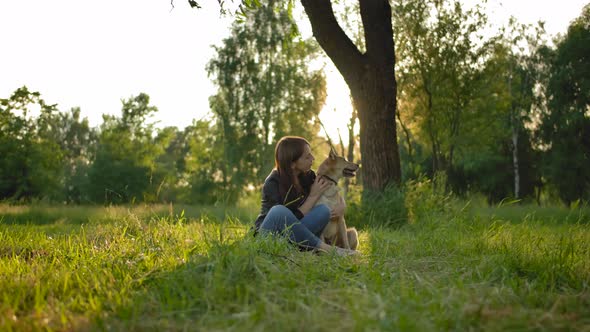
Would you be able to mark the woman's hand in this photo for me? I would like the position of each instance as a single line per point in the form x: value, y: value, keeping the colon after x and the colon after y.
x: 319, y: 186
x: 338, y: 210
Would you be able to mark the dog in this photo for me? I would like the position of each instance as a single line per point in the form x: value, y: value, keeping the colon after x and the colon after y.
x: 336, y: 233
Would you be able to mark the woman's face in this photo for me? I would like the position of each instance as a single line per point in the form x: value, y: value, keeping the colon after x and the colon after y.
x: 303, y: 164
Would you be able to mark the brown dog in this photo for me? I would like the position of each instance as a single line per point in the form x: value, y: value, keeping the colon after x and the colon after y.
x: 336, y: 233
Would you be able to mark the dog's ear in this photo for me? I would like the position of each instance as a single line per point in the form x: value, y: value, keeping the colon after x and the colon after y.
x: 333, y: 154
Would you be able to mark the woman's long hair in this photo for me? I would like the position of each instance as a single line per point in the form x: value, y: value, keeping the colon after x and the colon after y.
x: 287, y: 151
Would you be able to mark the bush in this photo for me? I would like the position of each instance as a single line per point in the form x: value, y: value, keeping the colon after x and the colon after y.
x: 421, y: 200
x: 375, y: 209
x: 427, y: 200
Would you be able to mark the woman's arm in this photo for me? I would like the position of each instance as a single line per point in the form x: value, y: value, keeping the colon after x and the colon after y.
x: 317, y: 188
x: 270, y: 193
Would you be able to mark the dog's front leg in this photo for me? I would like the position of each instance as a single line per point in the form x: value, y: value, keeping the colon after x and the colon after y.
x: 342, y: 235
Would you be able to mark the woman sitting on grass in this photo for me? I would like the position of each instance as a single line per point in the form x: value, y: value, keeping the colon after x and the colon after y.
x: 289, y: 195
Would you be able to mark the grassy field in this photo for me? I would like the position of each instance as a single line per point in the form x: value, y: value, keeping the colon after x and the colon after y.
x: 157, y: 268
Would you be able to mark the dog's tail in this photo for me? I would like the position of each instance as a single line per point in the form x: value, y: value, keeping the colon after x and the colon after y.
x: 353, y: 238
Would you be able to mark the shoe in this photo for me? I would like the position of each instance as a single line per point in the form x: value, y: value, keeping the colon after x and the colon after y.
x: 346, y: 252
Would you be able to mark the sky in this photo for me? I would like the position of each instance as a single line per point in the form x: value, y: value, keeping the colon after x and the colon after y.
x: 91, y: 55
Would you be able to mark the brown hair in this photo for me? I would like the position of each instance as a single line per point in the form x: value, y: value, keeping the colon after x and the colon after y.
x: 287, y: 151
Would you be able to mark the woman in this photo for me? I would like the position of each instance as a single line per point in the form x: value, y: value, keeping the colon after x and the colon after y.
x: 289, y: 194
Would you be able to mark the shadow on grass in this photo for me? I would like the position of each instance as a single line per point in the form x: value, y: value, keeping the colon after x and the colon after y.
x: 531, y: 213
x: 548, y: 257
x: 245, y: 285
x: 78, y: 215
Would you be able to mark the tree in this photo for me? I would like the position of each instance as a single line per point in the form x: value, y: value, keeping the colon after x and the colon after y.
x: 354, y: 28
x: 169, y: 165
x: 499, y: 159
x: 123, y: 169
x: 202, y: 182
x: 77, y: 141
x: 31, y: 163
x: 370, y: 75
x: 265, y: 91
x: 521, y: 62
x: 503, y: 100
x: 442, y: 52
x: 565, y: 124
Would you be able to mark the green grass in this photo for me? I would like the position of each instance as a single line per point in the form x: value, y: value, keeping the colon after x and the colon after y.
x: 154, y: 268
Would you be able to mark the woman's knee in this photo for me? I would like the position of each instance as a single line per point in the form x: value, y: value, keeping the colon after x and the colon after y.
x: 279, y: 209
x: 279, y: 214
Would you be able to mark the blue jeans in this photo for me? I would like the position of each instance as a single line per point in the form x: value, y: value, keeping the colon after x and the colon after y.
x: 305, y: 232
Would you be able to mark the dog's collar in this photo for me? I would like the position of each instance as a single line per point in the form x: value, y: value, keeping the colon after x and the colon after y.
x: 329, y: 178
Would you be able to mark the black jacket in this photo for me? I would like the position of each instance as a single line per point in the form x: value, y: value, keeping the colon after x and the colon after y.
x: 271, y: 195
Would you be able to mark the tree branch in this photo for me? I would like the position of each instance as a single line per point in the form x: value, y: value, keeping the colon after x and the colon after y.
x: 326, y: 30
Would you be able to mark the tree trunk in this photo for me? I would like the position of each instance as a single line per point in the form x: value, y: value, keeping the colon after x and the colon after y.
x: 514, y: 138
x: 515, y: 161
x: 371, y: 79
x: 430, y: 129
x: 408, y: 139
x: 350, y: 155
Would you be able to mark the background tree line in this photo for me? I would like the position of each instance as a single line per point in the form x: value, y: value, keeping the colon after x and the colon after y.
x: 505, y: 115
